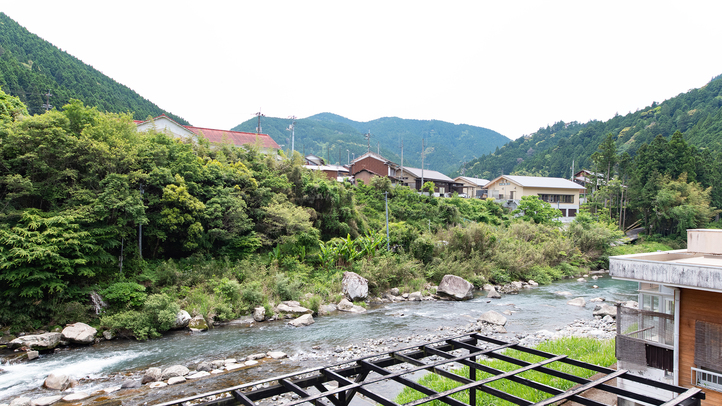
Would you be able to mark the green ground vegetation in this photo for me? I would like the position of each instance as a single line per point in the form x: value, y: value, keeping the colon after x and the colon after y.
x: 588, y: 350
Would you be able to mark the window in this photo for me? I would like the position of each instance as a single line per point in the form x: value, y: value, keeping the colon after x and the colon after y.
x: 557, y: 198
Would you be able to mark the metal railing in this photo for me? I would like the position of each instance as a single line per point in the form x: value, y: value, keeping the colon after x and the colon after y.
x: 652, y: 327
x: 707, y: 379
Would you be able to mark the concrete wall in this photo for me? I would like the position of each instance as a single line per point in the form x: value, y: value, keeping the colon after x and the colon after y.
x: 675, y: 274
x: 708, y: 241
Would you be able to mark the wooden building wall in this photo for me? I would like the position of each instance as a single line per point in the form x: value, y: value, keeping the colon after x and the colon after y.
x: 370, y: 164
x: 696, y: 305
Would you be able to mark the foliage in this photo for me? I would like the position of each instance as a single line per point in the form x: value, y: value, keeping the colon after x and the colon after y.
x: 583, y: 349
x: 533, y: 209
x: 125, y: 295
x: 158, y: 315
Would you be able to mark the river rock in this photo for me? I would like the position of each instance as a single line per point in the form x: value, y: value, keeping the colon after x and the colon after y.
x: 493, y: 294
x: 577, y: 302
x: 57, y: 381
x: 40, y: 342
x: 199, y: 374
x: 46, y: 400
x: 33, y: 355
x: 415, y: 296
x: 581, y: 280
x: 493, y: 317
x: 394, y: 291
x: 21, y: 401
x: 595, y: 277
x: 354, y: 286
x: 108, y: 335
x: 517, y: 285
x: 74, y: 397
x: 231, y: 367
x: 532, y: 283
x: 260, y: 355
x: 79, y: 333
x: 605, y: 310
x: 198, y: 323
x: 154, y: 385
x: 174, y: 371
x: 112, y: 389
x: 346, y: 306
x: 455, y: 288
x: 487, y: 287
x: 176, y: 379
x: 608, y: 319
x: 130, y: 384
x: 276, y: 354
x: 291, y: 307
x: 563, y: 293
x: 305, y: 320
x: 250, y: 362
x: 259, y: 313
x: 181, y: 320
x: 631, y: 303
x: 204, y: 366
x: 326, y: 309
x: 597, y: 300
x: 152, y: 375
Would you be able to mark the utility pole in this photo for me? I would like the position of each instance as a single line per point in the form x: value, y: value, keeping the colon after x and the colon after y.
x: 348, y: 158
x: 140, y: 228
x: 422, y: 165
x: 47, y: 101
x: 402, y: 161
x: 387, y: 220
x: 259, y: 115
x: 292, y: 127
x: 368, y: 140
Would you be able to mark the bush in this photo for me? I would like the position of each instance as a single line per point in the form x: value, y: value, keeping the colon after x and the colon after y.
x: 125, y: 295
x: 422, y: 249
x: 157, y: 316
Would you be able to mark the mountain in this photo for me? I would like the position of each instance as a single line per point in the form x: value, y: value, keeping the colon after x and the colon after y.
x: 30, y: 67
x: 551, y: 151
x: 330, y: 135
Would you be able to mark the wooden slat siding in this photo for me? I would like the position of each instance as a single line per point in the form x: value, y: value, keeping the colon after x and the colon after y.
x: 696, y: 305
x: 370, y: 164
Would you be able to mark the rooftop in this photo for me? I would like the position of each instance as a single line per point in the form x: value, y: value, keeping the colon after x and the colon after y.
x: 428, y: 174
x: 697, y: 267
x: 540, y: 181
x: 477, y: 181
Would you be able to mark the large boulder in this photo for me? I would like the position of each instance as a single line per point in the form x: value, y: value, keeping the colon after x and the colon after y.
x: 198, y: 323
x: 79, y: 333
x: 174, y: 371
x: 455, y: 288
x: 605, y: 310
x: 577, y: 302
x: 493, y: 294
x: 21, y: 401
x: 346, y: 306
x: 46, y: 341
x: 305, y: 320
x: 152, y: 375
x: 259, y: 313
x: 493, y: 317
x: 57, y: 381
x: 292, y: 307
x: 354, y: 286
x: 181, y: 320
x: 326, y: 309
x: 74, y: 397
x: 46, y: 400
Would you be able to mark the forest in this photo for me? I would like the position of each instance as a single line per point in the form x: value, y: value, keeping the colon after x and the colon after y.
x: 31, y: 68
x: 226, y: 229
x: 554, y: 150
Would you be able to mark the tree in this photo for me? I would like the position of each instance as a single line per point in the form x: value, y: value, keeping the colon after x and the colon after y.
x: 532, y: 209
x: 680, y: 205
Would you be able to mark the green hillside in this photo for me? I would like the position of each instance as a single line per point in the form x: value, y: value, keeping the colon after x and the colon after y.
x: 325, y: 134
x: 31, y: 66
x: 550, y: 151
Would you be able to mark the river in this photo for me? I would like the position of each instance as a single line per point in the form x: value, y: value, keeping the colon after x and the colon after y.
x: 109, y: 362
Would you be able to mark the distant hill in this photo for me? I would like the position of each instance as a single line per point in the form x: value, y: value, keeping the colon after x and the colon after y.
x: 31, y: 66
x: 447, y: 145
x: 550, y: 151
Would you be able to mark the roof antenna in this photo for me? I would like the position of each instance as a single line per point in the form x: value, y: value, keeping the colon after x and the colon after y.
x: 259, y: 115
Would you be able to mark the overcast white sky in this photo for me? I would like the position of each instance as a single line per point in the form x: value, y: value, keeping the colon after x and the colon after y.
x: 511, y: 66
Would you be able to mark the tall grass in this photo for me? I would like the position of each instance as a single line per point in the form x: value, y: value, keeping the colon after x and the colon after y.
x: 583, y: 349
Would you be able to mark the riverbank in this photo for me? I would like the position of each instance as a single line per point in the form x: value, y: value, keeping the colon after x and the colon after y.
x: 542, y: 310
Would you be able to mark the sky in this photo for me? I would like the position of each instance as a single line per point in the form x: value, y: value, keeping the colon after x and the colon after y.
x: 511, y: 66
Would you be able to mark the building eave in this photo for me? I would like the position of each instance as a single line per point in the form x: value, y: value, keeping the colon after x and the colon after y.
x: 659, y: 268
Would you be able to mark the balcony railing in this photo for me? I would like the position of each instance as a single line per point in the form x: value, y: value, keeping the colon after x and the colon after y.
x: 646, y: 325
x: 706, y: 379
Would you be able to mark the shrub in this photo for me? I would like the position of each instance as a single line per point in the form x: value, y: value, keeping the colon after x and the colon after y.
x: 157, y: 316
x: 125, y: 295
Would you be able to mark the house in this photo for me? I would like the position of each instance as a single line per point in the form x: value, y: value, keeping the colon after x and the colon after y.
x: 588, y: 178
x: 472, y: 187
x: 165, y: 124
x: 676, y: 334
x: 560, y: 193
x: 313, y: 160
x: 333, y: 172
x: 412, y: 177
x: 370, y: 164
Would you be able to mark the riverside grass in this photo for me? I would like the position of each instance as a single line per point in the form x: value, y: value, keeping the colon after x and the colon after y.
x: 590, y: 350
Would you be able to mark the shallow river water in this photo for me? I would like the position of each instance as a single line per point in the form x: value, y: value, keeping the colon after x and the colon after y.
x: 534, y: 309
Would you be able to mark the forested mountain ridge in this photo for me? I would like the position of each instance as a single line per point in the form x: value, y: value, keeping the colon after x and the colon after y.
x: 551, y: 151
x: 325, y: 134
x: 30, y: 67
